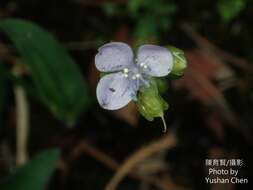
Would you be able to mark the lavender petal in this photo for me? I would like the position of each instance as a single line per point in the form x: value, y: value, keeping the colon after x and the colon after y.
x: 158, y: 60
x: 114, y: 56
x: 114, y: 91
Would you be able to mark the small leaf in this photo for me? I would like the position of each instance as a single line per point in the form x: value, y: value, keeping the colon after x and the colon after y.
x: 35, y: 174
x: 57, y: 78
x: 179, y: 61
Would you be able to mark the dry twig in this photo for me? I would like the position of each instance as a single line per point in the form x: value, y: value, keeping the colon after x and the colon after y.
x: 164, y: 143
x: 84, y: 147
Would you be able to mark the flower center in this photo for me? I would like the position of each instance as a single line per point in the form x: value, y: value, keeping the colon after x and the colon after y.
x: 134, y: 73
x: 143, y: 65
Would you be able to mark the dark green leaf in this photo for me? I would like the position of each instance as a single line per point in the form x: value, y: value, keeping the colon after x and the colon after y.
x: 35, y: 174
x: 57, y: 78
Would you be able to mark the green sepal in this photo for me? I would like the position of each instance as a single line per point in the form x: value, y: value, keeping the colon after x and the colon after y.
x: 179, y: 61
x: 149, y: 103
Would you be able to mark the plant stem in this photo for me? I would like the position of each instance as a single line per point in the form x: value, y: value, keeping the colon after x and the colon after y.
x: 22, y: 125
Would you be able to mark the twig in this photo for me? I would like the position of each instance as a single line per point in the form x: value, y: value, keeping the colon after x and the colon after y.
x: 164, y: 143
x: 109, y: 162
x: 84, y: 147
x: 95, y: 153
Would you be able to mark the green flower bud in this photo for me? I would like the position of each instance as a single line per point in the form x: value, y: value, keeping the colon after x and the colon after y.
x: 179, y: 63
x: 150, y: 104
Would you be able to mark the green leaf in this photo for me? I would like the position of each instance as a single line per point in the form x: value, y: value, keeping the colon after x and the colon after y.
x: 229, y: 9
x: 57, y: 78
x: 35, y: 174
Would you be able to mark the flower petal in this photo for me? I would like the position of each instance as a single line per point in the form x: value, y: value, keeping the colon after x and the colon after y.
x: 158, y: 60
x: 113, y: 56
x: 114, y: 91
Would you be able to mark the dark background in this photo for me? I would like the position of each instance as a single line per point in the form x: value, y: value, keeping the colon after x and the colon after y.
x: 210, y: 106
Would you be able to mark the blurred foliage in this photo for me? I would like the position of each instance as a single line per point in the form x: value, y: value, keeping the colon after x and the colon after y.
x: 149, y: 19
x: 35, y: 174
x: 229, y: 9
x: 57, y: 79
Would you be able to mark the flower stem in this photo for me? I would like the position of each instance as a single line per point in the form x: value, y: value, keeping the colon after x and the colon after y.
x: 164, y: 123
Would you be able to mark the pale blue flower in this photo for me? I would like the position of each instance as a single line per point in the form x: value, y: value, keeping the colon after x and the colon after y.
x: 128, y: 75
